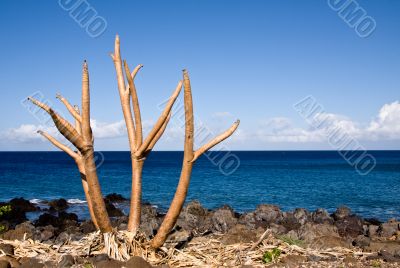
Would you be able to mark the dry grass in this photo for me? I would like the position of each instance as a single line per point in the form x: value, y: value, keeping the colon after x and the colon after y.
x: 201, y: 251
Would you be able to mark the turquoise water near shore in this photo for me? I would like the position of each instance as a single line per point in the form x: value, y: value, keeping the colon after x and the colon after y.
x: 289, y: 179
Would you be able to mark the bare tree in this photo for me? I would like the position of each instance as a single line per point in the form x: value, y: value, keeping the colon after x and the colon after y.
x: 139, y: 149
x: 81, y: 137
x: 189, y: 158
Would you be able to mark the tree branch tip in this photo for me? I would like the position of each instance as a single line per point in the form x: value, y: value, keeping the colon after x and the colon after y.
x: 39, y: 132
x: 185, y: 74
x: 138, y: 67
x: 31, y: 99
x: 58, y: 96
x: 117, y: 42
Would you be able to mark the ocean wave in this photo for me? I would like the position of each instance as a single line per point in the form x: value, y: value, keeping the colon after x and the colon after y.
x: 36, y: 201
x: 76, y: 201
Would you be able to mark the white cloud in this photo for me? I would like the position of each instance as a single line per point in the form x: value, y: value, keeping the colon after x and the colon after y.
x: 108, y: 130
x: 281, y: 129
x: 25, y: 133
x: 278, y: 124
x: 386, y: 126
x: 28, y: 132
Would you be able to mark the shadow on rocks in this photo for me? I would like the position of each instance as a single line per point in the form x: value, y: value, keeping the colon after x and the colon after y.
x: 19, y: 206
x: 115, y: 198
x: 263, y: 216
x: 150, y: 220
x: 194, y: 217
x: 58, y: 205
x: 223, y: 219
x: 112, y: 210
x: 348, y: 224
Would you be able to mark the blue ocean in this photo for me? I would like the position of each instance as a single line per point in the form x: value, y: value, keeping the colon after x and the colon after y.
x: 289, y: 179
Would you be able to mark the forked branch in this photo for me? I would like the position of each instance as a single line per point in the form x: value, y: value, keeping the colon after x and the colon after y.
x: 160, y: 122
x: 81, y: 167
x: 158, y: 135
x: 81, y: 137
x: 139, y: 148
x: 124, y: 95
x: 135, y: 102
x: 189, y: 157
x: 65, y: 128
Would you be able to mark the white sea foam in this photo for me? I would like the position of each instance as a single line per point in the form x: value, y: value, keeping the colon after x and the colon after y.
x: 76, y: 201
x: 36, y: 201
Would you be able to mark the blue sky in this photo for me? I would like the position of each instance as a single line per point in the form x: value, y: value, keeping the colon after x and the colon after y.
x: 251, y: 60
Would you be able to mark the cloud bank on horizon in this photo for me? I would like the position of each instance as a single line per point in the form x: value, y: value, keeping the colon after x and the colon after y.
x: 385, y: 126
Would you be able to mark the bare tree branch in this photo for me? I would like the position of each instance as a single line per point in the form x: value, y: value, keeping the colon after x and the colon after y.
x: 163, y: 117
x: 59, y: 145
x: 158, y: 135
x: 78, y: 126
x: 87, y: 152
x: 124, y: 96
x: 85, y: 123
x: 189, y: 158
x: 135, y: 102
x: 189, y: 117
x: 65, y: 128
x: 69, y: 107
x: 215, y: 141
x: 187, y: 165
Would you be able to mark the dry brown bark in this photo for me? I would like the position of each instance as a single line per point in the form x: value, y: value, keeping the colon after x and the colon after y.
x: 189, y: 158
x: 139, y: 149
x: 81, y: 137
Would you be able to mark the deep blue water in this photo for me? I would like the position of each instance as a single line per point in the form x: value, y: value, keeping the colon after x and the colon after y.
x: 290, y: 179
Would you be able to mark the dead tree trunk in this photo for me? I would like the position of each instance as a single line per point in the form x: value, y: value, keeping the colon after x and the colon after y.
x: 81, y: 137
x: 139, y: 148
x: 81, y: 167
x: 189, y: 158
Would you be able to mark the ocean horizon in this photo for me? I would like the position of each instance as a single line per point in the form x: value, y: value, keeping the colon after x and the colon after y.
x: 288, y: 179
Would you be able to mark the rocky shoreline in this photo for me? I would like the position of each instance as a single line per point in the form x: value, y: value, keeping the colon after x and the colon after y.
x: 317, y: 230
